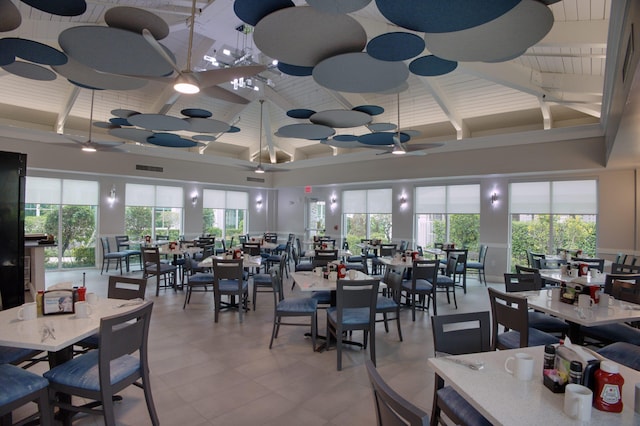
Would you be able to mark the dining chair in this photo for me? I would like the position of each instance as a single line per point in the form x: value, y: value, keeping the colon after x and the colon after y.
x: 362, y: 265
x: 19, y: 387
x: 197, y: 279
x: 388, y: 303
x: 512, y: 313
x: 533, y: 258
x: 610, y: 278
x: 273, y: 259
x: 165, y: 273
x: 458, y: 334
x: 479, y: 265
x: 623, y: 353
x: 617, y: 332
x: 123, y: 246
x: 594, y: 263
x: 420, y: 288
x: 263, y: 283
x: 251, y: 249
x: 386, y: 250
x: 355, y: 310
x: 322, y: 259
x: 121, y: 361
x: 447, y: 282
x: 228, y: 280
x: 550, y: 263
x: 292, y: 307
x: 391, y: 408
x: 108, y: 256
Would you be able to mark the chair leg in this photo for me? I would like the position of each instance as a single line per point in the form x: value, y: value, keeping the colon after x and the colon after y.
x: 372, y: 344
x: 314, y: 330
x: 413, y: 306
x: 386, y: 322
x: 399, y: 328
x: 273, y: 332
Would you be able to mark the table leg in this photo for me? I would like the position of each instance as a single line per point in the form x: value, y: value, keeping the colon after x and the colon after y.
x: 55, y: 359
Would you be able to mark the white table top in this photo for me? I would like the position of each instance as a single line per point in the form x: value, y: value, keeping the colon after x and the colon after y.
x: 556, y: 275
x: 394, y: 261
x: 505, y: 400
x: 264, y: 245
x: 68, y: 328
x: 247, y: 261
x: 308, y: 281
x: 616, y: 312
x: 165, y: 249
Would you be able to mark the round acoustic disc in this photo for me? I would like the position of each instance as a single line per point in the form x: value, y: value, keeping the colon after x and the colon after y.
x: 135, y: 19
x: 114, y: 50
x: 369, y: 109
x: 302, y: 113
x: 80, y: 73
x: 136, y: 135
x: 340, y: 118
x: 381, y: 127
x: 33, y: 51
x: 304, y: 36
x: 526, y: 24
x: 431, y: 66
x: 342, y: 144
x: 123, y: 113
x: 196, y: 112
x: 6, y: 57
x: 396, y: 46
x: 252, y: 11
x: 206, y: 125
x: 118, y: 121
x: 440, y: 16
x: 105, y: 125
x: 170, y: 140
x: 295, y: 70
x: 345, y: 138
x: 158, y: 122
x: 29, y: 70
x: 382, y: 138
x: 10, y: 18
x: 359, y: 73
x: 338, y: 6
x: 233, y: 129
x: 306, y: 131
x: 59, y: 7
x: 204, y: 138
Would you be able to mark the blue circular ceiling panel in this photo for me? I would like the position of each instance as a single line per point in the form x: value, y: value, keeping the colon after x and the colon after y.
x: 252, y: 11
x: 33, y: 51
x: 442, y: 16
x: 120, y: 121
x: 300, y: 113
x: 431, y: 66
x: 295, y: 70
x: 129, y: 133
x: 382, y: 127
x: 59, y: 7
x: 345, y: 138
x: 196, y: 113
x: 369, y: 109
x: 170, y: 140
x: 382, y: 138
x: 159, y: 122
x: 233, y: 129
x: 338, y: 6
x: 6, y: 57
x: 397, y: 46
x: 123, y: 113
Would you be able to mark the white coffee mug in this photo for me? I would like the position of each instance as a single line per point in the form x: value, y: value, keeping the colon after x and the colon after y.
x: 83, y: 309
x: 584, y: 301
x: 317, y: 271
x: 333, y: 275
x: 523, y: 366
x: 91, y: 298
x: 577, y: 402
x: 554, y: 293
x: 352, y: 274
x: 28, y: 311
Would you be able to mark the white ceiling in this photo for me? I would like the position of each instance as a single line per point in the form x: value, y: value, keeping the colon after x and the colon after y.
x: 556, y: 84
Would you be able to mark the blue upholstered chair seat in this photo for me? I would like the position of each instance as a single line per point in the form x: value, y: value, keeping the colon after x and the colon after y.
x: 623, y: 353
x: 385, y: 303
x: 82, y: 371
x: 445, y: 280
x: 511, y: 339
x: 421, y: 285
x: 164, y: 268
x: 262, y: 279
x: 354, y: 259
x: 350, y: 316
x: 474, y: 265
x: 613, y: 333
x: 9, y: 354
x: 273, y: 258
x: 201, y: 278
x: 355, y: 266
x: 547, y: 323
x: 16, y: 383
x: 304, y: 305
x: 323, y: 297
x: 457, y: 404
x: 304, y: 266
x: 232, y: 285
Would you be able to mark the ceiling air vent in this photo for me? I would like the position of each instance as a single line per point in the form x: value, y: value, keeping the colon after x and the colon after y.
x: 149, y: 168
x: 255, y: 179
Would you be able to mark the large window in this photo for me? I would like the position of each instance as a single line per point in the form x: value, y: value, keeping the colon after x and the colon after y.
x: 66, y: 209
x: 367, y: 215
x: 548, y: 216
x: 448, y: 214
x: 225, y: 213
x: 153, y: 210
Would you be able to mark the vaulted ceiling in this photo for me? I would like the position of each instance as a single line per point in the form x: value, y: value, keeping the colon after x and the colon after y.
x: 557, y: 83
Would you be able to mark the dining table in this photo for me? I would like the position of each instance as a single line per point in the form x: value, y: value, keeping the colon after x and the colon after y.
x: 616, y: 311
x: 247, y: 261
x: 505, y: 400
x: 559, y: 277
x: 57, y: 333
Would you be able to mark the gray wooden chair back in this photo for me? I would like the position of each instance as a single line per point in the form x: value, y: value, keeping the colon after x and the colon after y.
x: 522, y: 282
x: 459, y: 334
x: 512, y: 313
x: 126, y: 288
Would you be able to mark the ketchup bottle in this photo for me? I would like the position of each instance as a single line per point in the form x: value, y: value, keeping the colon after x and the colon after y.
x: 342, y: 270
x: 608, y: 394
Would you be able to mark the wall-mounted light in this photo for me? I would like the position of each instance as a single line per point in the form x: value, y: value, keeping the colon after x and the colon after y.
x: 494, y: 198
x: 112, y: 195
x: 259, y: 203
x: 194, y: 199
x: 403, y: 200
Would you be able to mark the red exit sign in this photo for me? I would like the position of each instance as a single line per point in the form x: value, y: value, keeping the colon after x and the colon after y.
x: 307, y: 190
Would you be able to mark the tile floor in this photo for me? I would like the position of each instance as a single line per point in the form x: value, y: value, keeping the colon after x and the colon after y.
x: 205, y: 373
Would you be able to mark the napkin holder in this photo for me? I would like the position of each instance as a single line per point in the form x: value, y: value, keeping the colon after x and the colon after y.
x: 564, y: 355
x: 58, y: 302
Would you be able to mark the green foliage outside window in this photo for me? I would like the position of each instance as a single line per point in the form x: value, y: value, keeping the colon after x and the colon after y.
x: 137, y: 221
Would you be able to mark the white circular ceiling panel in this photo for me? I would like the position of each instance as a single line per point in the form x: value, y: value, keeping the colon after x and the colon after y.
x: 158, y: 122
x: 206, y: 125
x: 341, y: 118
x: 80, y: 73
x: 306, y: 131
x: 135, y: 19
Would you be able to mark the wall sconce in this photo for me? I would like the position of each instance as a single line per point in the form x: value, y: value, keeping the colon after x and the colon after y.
x: 403, y: 200
x: 194, y: 199
x: 112, y: 195
x: 334, y: 201
x: 259, y: 203
x: 494, y: 198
